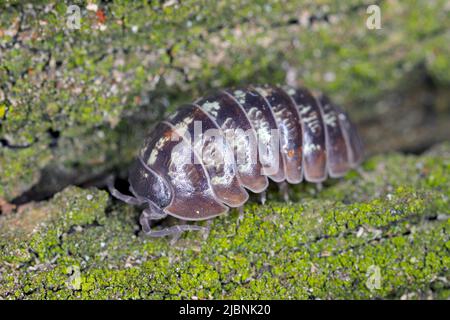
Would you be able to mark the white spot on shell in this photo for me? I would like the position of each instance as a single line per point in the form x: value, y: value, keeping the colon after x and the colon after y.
x: 240, y: 96
x: 181, y: 127
x: 262, y: 91
x: 311, y: 121
x: 304, y: 109
x: 152, y: 158
x: 181, y: 178
x: 330, y: 119
x: 307, y: 148
x: 221, y: 180
x: 156, y: 149
x: 211, y: 107
x: 291, y: 91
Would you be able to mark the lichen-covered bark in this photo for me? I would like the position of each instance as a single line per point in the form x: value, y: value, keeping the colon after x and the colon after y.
x: 382, y: 233
x: 75, y: 104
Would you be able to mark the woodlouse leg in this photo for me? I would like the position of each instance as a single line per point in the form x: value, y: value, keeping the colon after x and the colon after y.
x: 319, y: 186
x: 119, y: 195
x: 146, y: 223
x: 207, y: 229
x: 241, y: 214
x: 150, y: 214
x: 284, y: 190
x: 362, y: 173
x: 175, y: 231
x: 263, y: 197
x: 153, y: 213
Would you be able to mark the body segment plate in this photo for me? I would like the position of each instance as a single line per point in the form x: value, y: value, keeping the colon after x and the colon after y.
x: 263, y: 120
x: 352, y: 138
x: 171, y: 156
x: 337, y: 155
x: 240, y: 135
x: 289, y: 125
x: 314, y: 148
x: 211, y: 147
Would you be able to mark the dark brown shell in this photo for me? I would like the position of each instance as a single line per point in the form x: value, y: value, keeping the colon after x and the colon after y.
x: 199, y: 179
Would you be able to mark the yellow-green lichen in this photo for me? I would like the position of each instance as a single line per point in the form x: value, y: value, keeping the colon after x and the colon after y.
x: 392, y: 242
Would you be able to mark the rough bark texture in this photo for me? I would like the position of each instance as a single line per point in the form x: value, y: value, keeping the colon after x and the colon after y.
x: 76, y: 104
x: 391, y: 223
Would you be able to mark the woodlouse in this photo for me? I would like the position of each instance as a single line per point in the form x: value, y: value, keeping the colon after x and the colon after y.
x: 246, y: 136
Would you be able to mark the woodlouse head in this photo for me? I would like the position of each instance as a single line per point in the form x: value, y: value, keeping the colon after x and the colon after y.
x: 147, y: 185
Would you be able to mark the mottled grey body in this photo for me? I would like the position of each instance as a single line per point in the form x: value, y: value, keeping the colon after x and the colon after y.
x: 197, y: 179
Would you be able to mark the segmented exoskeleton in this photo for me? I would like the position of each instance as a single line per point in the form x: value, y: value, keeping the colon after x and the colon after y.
x: 202, y: 159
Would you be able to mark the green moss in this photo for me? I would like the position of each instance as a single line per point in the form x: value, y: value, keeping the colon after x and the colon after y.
x: 392, y: 222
